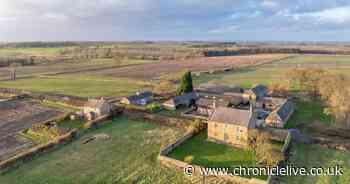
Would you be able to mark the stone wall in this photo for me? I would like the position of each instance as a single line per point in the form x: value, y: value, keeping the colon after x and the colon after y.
x: 35, y: 151
x: 180, y: 165
x: 160, y: 119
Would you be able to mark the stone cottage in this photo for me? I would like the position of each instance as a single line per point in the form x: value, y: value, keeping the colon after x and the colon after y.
x: 143, y: 98
x: 95, y: 108
x: 231, y: 126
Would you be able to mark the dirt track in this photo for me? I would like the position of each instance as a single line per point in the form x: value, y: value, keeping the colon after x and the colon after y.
x: 148, y: 71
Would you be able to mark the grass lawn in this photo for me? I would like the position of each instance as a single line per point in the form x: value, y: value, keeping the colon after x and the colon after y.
x: 84, y: 86
x: 71, y: 124
x: 315, y: 156
x: 307, y: 112
x: 130, y: 156
x: 209, y: 154
x: 274, y: 72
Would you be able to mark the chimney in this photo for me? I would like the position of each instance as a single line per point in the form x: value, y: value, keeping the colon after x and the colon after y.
x: 214, y: 103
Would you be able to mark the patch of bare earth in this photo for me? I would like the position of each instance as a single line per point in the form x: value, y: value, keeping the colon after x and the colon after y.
x: 15, y: 116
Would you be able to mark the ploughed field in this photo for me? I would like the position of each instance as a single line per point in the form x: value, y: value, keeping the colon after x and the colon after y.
x: 153, y: 70
x: 68, y: 67
x: 15, y: 116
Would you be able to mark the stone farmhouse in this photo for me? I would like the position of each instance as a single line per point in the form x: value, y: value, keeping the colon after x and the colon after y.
x: 95, y: 108
x: 231, y: 126
x: 143, y: 98
x: 185, y: 100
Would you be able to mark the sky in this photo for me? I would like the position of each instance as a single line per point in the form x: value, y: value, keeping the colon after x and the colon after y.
x: 207, y: 20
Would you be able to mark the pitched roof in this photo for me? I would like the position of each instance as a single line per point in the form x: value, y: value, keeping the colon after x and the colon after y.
x: 285, y: 110
x: 231, y: 116
x: 218, y: 89
x: 206, y: 102
x: 95, y: 103
x: 182, y: 99
x: 259, y: 90
x: 143, y: 95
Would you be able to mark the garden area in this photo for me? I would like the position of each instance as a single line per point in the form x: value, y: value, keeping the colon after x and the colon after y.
x: 199, y: 151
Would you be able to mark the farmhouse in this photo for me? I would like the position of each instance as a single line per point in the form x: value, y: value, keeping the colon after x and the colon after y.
x: 185, y: 100
x: 95, y: 108
x: 256, y: 93
x: 139, y: 99
x: 231, y: 126
x: 279, y: 117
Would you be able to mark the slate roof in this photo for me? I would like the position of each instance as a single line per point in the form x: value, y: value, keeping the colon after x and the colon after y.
x: 206, y: 102
x: 95, y: 103
x: 284, y: 111
x: 232, y: 116
x: 143, y: 95
x: 219, y: 89
x: 182, y: 99
x: 259, y: 90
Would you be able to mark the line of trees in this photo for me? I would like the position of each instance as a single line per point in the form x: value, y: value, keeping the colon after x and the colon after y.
x: 332, y: 89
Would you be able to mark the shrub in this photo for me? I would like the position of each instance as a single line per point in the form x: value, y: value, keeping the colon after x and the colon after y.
x: 189, y: 159
x: 153, y: 107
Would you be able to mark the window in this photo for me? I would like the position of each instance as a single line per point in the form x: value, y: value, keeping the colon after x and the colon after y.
x: 226, y: 137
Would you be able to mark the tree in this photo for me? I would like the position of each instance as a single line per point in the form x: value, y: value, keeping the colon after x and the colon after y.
x: 264, y: 151
x: 186, y: 85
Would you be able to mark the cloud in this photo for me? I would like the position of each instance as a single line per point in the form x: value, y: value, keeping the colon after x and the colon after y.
x: 271, y: 4
x: 26, y: 20
x: 340, y: 15
x: 226, y: 29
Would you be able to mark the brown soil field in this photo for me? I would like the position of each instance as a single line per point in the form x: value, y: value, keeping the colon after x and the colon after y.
x: 152, y: 70
x: 15, y: 116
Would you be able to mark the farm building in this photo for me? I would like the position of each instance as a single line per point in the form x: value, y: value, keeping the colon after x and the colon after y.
x: 206, y: 106
x: 279, y: 117
x: 218, y: 89
x: 95, y: 108
x: 139, y: 99
x: 256, y: 93
x: 231, y: 126
x: 185, y: 100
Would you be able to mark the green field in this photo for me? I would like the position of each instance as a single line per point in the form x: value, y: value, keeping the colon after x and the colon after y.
x: 30, y: 51
x: 275, y: 72
x: 306, y: 113
x: 84, y: 86
x: 130, y: 156
x: 315, y: 156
